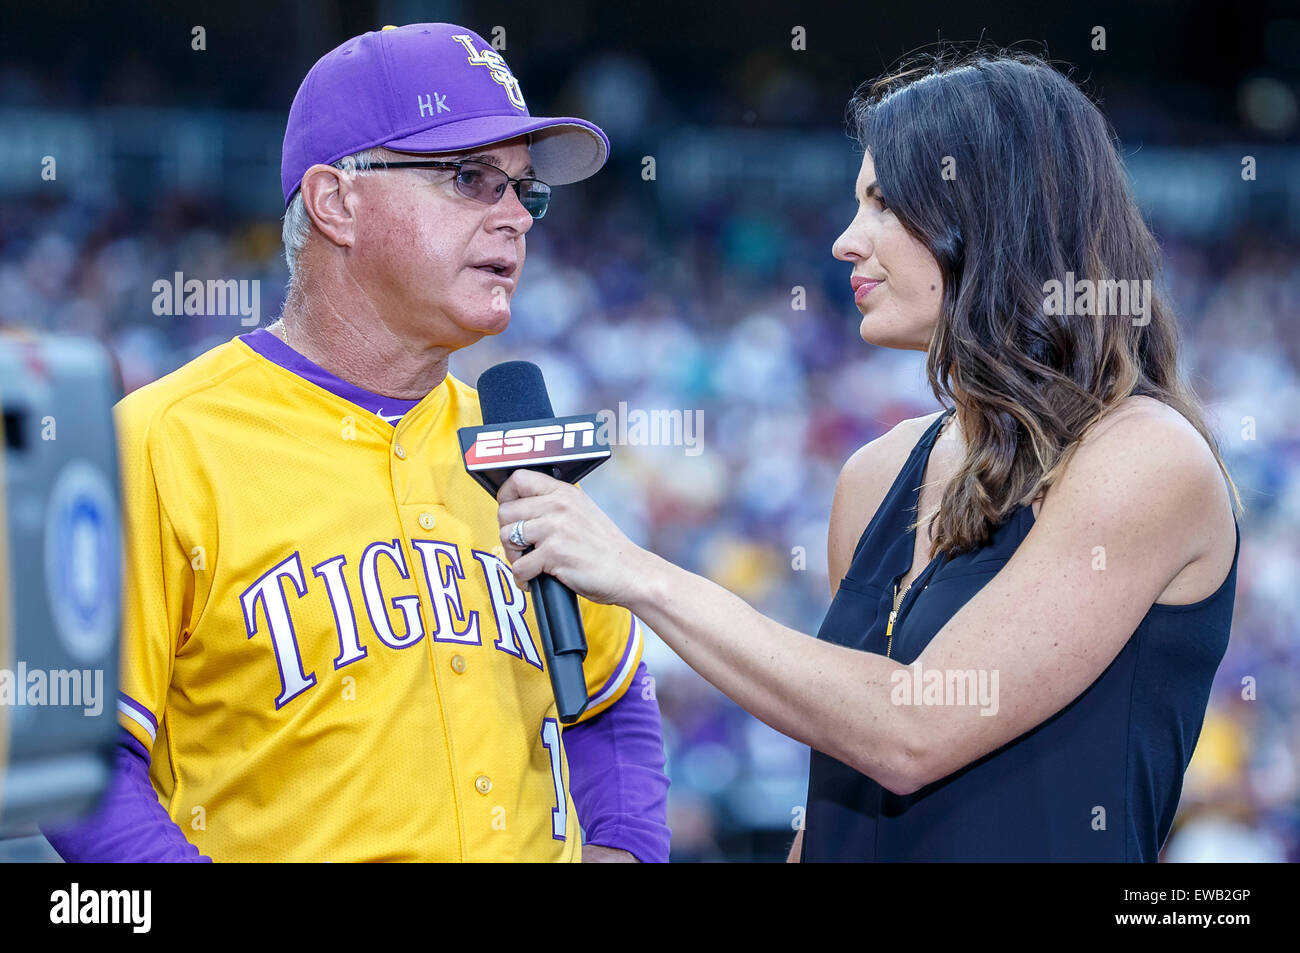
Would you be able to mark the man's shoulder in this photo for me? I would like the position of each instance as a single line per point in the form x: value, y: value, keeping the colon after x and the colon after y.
x: 138, y: 410
x: 463, y: 402
x: 463, y: 391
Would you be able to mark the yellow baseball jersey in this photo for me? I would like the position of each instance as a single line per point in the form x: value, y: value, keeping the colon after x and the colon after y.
x: 323, y: 647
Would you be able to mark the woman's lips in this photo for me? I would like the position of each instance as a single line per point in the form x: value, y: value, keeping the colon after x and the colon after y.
x: 863, y: 287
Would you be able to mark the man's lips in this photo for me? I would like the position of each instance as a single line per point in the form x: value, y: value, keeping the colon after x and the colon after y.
x: 863, y: 287
x: 501, y: 270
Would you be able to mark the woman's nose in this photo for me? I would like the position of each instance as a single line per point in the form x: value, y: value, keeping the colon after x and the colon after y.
x: 852, y: 245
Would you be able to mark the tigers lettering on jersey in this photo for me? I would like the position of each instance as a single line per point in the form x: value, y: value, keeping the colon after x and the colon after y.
x: 509, y: 604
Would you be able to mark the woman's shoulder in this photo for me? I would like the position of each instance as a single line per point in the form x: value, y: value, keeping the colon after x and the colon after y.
x: 871, y: 470
x: 1135, y: 412
x: 1142, y: 438
x: 1146, y: 449
x: 863, y: 485
x: 1157, y: 431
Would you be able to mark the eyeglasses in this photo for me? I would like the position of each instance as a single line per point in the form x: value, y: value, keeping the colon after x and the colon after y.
x: 486, y: 183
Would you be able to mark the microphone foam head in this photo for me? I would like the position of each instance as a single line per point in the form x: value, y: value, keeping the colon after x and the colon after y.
x: 512, y: 391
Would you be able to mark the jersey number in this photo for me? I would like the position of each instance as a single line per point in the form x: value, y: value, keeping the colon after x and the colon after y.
x: 551, y: 742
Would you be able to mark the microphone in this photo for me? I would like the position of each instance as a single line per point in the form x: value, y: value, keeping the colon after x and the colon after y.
x: 520, y: 430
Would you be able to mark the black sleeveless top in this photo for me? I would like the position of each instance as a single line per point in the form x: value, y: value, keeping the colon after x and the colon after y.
x: 1098, y: 781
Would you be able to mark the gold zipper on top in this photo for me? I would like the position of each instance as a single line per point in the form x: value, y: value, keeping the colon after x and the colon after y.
x: 893, y: 614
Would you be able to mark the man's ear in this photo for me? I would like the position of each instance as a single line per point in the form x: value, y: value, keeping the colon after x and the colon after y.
x: 325, y: 194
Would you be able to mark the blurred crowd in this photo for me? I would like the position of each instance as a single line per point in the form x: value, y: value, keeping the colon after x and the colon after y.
x: 736, y: 312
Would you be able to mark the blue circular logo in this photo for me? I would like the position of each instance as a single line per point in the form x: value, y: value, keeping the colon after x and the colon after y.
x: 83, y: 564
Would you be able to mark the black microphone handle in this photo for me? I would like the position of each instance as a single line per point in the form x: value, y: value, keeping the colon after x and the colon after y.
x: 564, y: 644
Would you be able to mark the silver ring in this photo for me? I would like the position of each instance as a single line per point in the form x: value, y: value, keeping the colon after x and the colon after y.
x: 517, y: 535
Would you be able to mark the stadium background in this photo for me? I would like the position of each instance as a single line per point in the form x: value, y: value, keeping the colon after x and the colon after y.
x: 677, y: 292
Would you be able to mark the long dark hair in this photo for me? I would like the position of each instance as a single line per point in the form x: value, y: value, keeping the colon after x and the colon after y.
x: 1009, y: 175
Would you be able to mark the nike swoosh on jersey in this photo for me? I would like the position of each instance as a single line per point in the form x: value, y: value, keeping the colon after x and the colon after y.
x: 380, y: 414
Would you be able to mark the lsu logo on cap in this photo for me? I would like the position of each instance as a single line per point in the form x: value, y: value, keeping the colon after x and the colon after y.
x: 496, y: 65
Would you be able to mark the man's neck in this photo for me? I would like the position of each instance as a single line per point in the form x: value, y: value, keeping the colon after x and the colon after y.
x: 370, y: 357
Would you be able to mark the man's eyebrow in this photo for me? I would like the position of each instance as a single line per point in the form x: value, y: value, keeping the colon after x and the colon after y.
x: 491, y: 158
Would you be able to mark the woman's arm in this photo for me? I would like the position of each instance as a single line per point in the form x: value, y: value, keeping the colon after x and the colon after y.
x: 826, y: 696
x: 1145, y: 488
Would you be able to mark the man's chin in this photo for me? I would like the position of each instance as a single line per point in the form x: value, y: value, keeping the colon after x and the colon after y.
x: 486, y: 323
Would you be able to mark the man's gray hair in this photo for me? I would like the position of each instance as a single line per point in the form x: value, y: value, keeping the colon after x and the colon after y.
x: 297, y: 223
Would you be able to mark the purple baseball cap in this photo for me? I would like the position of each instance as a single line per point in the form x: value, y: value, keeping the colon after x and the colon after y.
x: 425, y: 87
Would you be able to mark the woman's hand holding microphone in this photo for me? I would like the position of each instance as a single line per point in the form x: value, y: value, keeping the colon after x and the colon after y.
x: 570, y: 539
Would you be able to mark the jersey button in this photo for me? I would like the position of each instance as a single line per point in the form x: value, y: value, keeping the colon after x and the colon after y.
x: 458, y: 664
x: 427, y: 521
x: 400, y: 451
x: 483, y: 784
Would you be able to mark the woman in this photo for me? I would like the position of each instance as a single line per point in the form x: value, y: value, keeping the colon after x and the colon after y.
x: 1021, y: 672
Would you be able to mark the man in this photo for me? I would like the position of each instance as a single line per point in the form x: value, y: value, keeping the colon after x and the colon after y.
x: 326, y: 657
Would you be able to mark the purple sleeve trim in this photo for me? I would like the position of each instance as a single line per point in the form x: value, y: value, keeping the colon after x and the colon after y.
x: 618, y: 669
x: 139, y: 709
x: 130, y: 825
x: 616, y: 776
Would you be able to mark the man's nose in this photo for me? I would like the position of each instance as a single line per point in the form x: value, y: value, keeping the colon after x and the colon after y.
x: 509, y: 212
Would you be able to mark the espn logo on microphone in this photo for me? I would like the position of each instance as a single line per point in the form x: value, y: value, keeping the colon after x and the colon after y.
x: 534, y: 443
